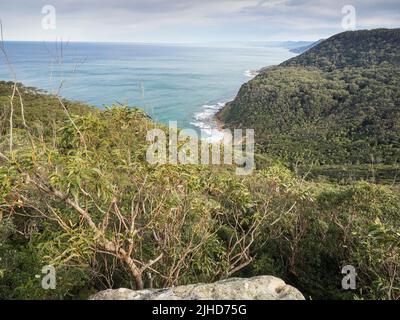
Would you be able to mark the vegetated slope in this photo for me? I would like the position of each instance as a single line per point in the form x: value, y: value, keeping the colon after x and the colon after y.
x: 85, y: 200
x: 40, y: 108
x: 338, y: 103
x: 365, y: 48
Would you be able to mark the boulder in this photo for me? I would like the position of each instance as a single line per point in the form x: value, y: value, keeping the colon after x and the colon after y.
x: 257, y: 288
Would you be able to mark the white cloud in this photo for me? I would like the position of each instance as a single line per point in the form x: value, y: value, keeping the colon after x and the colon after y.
x: 191, y: 20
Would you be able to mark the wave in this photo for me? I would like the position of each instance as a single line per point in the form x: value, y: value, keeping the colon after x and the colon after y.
x: 205, y: 114
x: 205, y: 119
x: 251, y: 73
x: 206, y: 122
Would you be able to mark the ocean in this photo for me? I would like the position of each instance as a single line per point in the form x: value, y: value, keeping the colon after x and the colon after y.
x: 182, y: 83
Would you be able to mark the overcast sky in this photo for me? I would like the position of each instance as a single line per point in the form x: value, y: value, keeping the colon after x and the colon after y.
x: 191, y: 20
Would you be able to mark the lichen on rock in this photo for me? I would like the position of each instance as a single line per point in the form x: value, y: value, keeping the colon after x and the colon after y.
x: 257, y: 288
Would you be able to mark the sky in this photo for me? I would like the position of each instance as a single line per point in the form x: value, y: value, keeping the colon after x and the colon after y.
x: 189, y: 21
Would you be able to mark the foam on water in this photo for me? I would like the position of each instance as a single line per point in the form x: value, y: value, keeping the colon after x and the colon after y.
x: 206, y: 122
x: 251, y: 73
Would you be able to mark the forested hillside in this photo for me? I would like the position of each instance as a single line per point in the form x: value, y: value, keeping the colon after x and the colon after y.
x: 77, y: 193
x: 363, y: 48
x: 336, y: 104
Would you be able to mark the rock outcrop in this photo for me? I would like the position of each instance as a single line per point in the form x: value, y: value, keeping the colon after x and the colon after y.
x: 257, y: 288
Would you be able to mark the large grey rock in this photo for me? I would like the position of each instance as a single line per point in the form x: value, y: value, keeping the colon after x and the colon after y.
x: 258, y: 288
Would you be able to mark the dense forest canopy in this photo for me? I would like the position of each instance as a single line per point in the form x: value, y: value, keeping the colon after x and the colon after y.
x: 365, y: 48
x: 338, y: 103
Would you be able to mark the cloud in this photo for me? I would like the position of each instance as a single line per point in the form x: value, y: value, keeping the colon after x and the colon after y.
x: 191, y: 20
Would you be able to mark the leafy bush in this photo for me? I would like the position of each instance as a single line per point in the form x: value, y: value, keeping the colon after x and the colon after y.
x: 85, y: 200
x: 355, y: 225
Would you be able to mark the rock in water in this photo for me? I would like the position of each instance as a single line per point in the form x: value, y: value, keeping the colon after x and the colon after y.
x: 257, y: 288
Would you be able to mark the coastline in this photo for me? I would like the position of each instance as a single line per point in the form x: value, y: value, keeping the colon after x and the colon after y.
x: 207, y: 120
x: 220, y: 123
x: 252, y: 73
x: 249, y: 73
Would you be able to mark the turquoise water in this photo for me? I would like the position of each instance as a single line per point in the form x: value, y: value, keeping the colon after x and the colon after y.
x: 170, y: 82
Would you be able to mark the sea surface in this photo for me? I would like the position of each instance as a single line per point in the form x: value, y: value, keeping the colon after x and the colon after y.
x: 187, y: 84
